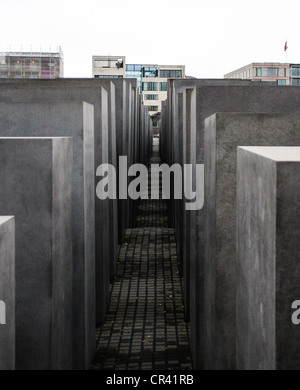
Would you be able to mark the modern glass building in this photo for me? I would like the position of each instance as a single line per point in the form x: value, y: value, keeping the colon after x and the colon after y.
x: 152, y: 80
x: 134, y: 72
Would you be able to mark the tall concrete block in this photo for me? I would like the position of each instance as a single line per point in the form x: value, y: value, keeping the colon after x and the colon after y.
x: 113, y: 159
x: 224, y: 132
x: 36, y: 186
x: 103, y: 247
x: 74, y: 119
x: 217, y: 96
x: 268, y: 267
x: 95, y: 93
x: 7, y: 294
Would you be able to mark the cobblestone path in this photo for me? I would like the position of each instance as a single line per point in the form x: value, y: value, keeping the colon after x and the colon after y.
x: 145, y: 327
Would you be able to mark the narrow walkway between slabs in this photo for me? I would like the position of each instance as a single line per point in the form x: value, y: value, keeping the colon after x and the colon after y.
x: 145, y: 327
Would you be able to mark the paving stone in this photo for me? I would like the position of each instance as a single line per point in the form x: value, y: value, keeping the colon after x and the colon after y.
x: 146, y: 314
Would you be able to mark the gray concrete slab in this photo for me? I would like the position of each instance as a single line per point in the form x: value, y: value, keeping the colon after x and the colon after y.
x: 73, y: 119
x: 182, y: 125
x: 224, y: 132
x: 113, y: 159
x: 36, y: 177
x: 239, y: 96
x: 7, y: 294
x: 95, y: 94
x: 268, y: 268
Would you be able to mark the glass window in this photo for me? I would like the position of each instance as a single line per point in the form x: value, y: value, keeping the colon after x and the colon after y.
x: 150, y: 72
x: 98, y: 76
x: 150, y: 86
x: 164, y: 73
x: 150, y: 97
x: 296, y: 72
x: 272, y: 72
x: 281, y: 82
x: 152, y: 108
x: 163, y: 86
x: 258, y: 72
x: 295, y: 81
x: 129, y: 67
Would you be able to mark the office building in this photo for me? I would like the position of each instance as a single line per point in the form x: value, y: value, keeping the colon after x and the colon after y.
x: 263, y: 71
x: 152, y: 79
x: 109, y: 67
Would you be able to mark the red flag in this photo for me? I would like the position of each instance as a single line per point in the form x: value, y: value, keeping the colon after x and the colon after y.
x: 285, y: 46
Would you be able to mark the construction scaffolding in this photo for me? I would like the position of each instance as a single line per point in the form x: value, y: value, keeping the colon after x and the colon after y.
x: 32, y: 64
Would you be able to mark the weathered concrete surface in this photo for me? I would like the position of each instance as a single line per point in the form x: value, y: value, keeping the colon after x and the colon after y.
x: 95, y: 94
x: 36, y: 177
x: 74, y: 119
x: 268, y: 267
x: 190, y: 240
x: 7, y: 294
x: 113, y: 159
x: 217, y: 96
x: 224, y: 132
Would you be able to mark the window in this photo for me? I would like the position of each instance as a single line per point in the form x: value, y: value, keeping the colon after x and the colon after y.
x: 150, y: 97
x: 150, y: 72
x: 281, y: 82
x: 296, y: 72
x: 170, y: 73
x: 152, y: 108
x: 295, y: 81
x: 98, y: 76
x: 258, y: 72
x: 163, y: 86
x: 272, y: 72
x: 150, y: 86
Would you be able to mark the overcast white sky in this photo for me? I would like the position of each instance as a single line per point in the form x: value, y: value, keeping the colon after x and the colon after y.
x: 210, y: 37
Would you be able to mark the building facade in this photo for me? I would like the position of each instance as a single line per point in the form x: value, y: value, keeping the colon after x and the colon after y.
x: 281, y: 73
x: 295, y: 74
x: 109, y: 67
x: 32, y: 65
x: 263, y: 71
x: 152, y: 79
